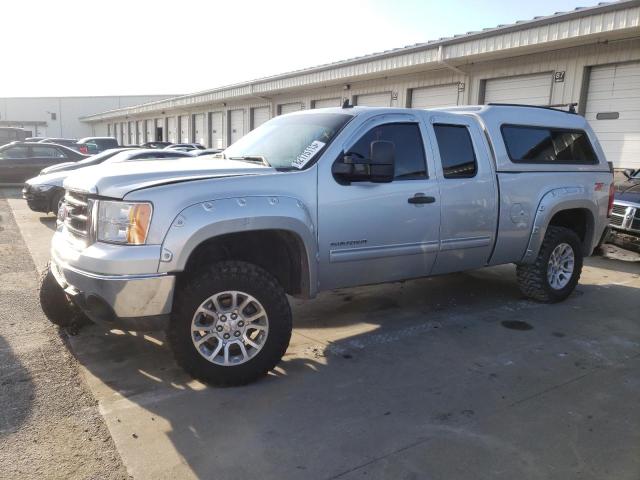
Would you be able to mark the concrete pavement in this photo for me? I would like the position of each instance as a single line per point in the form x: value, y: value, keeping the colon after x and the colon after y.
x: 449, y: 377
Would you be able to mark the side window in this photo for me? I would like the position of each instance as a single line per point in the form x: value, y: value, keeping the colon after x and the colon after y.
x: 59, y: 153
x: 14, y: 153
x: 44, y: 152
x: 547, y: 145
x: 409, y: 148
x: 456, y: 151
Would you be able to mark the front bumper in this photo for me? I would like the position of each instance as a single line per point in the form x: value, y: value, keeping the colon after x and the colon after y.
x: 130, y: 302
x: 38, y: 201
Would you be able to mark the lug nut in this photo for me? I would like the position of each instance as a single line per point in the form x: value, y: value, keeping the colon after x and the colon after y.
x: 237, y: 333
x: 226, y: 336
x: 241, y: 323
x: 223, y: 318
x: 233, y: 316
x: 219, y: 328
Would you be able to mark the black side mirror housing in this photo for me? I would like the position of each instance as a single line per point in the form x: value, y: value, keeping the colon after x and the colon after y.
x: 378, y: 168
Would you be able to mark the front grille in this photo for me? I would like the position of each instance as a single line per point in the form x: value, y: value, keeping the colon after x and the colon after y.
x: 77, y: 219
x: 619, y: 209
x: 625, y: 217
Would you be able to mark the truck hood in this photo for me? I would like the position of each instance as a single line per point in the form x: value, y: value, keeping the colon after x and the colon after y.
x: 117, y: 179
x: 628, y: 191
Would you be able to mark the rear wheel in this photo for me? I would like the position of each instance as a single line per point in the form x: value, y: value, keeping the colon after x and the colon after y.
x: 231, y: 324
x: 557, y: 268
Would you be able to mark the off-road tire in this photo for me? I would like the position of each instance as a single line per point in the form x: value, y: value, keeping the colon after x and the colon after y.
x: 532, y: 278
x: 219, y: 277
x: 54, y: 301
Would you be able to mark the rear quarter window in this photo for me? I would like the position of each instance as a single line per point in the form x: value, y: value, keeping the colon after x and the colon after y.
x: 526, y: 144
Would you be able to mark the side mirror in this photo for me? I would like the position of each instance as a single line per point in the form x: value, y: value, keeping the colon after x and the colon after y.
x: 379, y: 168
x: 628, y: 172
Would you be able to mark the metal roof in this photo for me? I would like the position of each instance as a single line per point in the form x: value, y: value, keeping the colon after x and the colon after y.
x: 559, y: 27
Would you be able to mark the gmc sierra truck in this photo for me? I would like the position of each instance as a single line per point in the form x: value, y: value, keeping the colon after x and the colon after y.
x: 208, y: 249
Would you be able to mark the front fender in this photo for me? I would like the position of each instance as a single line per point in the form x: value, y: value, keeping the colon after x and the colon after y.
x: 205, y: 220
x: 554, y: 201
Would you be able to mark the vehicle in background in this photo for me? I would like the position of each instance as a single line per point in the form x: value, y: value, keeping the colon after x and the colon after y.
x: 625, y: 219
x: 93, y: 145
x: 157, y: 144
x: 87, y: 162
x: 67, y: 142
x: 33, y: 139
x: 185, y: 147
x: 22, y: 160
x: 206, y: 151
x: 319, y: 200
x: 13, y: 134
x: 45, y: 192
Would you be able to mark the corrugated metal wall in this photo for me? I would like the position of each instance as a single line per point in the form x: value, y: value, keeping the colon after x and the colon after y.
x: 471, y: 80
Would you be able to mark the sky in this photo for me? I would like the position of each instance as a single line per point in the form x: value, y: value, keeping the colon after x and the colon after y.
x: 132, y: 47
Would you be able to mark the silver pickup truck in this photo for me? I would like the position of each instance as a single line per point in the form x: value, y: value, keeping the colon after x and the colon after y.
x: 208, y: 249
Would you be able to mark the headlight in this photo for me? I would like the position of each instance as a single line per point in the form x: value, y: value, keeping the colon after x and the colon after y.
x: 123, y: 222
x: 41, y: 188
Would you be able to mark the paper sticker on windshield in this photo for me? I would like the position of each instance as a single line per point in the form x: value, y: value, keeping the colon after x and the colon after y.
x: 308, y: 154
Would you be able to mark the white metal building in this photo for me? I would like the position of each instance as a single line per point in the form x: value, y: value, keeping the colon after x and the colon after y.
x: 60, y: 116
x: 588, y: 56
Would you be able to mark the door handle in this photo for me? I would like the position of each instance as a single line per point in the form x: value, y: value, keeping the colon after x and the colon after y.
x: 421, y: 198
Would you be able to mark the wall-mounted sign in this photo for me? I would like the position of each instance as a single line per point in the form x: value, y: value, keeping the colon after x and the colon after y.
x: 558, y: 77
x: 461, y: 86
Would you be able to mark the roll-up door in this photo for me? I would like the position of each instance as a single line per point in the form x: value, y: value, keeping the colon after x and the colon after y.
x: 215, y: 126
x: 523, y: 89
x: 122, y: 139
x: 131, y: 128
x: 184, y: 128
x: 150, y: 134
x: 613, y: 110
x: 199, y: 132
x: 172, y: 130
x: 327, y: 102
x: 236, y: 125
x: 139, y: 129
x: 289, y: 108
x: 374, y: 99
x: 259, y: 115
x: 434, y: 97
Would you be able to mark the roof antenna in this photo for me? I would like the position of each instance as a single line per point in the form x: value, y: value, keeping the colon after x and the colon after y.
x: 346, y: 104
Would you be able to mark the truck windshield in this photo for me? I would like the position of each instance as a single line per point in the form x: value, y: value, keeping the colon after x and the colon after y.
x: 288, y: 142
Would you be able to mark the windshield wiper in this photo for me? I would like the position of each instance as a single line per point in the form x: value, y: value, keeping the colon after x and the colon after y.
x: 252, y: 159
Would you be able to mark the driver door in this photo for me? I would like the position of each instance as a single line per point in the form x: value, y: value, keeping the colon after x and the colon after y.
x: 379, y: 232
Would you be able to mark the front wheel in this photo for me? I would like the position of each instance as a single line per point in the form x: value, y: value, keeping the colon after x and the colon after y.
x: 557, y: 268
x: 230, y: 325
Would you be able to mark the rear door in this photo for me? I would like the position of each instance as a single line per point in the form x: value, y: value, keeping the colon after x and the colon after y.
x: 44, y: 156
x: 468, y: 193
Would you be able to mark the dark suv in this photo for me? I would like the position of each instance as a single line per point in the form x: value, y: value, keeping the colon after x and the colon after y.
x: 93, y: 145
x: 22, y: 160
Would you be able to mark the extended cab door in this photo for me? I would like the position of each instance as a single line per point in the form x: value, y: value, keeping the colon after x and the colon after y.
x: 468, y: 193
x: 377, y: 232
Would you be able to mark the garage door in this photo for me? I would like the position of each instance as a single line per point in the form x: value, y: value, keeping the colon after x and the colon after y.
x: 525, y: 89
x: 433, y: 97
x: 184, y: 128
x: 215, y: 124
x: 131, y: 129
x: 374, y: 99
x: 121, y: 134
x: 259, y: 115
x: 172, y: 130
x: 613, y: 110
x: 199, y: 130
x: 289, y: 108
x: 236, y: 125
x: 327, y: 103
x: 150, y: 131
x: 139, y: 130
